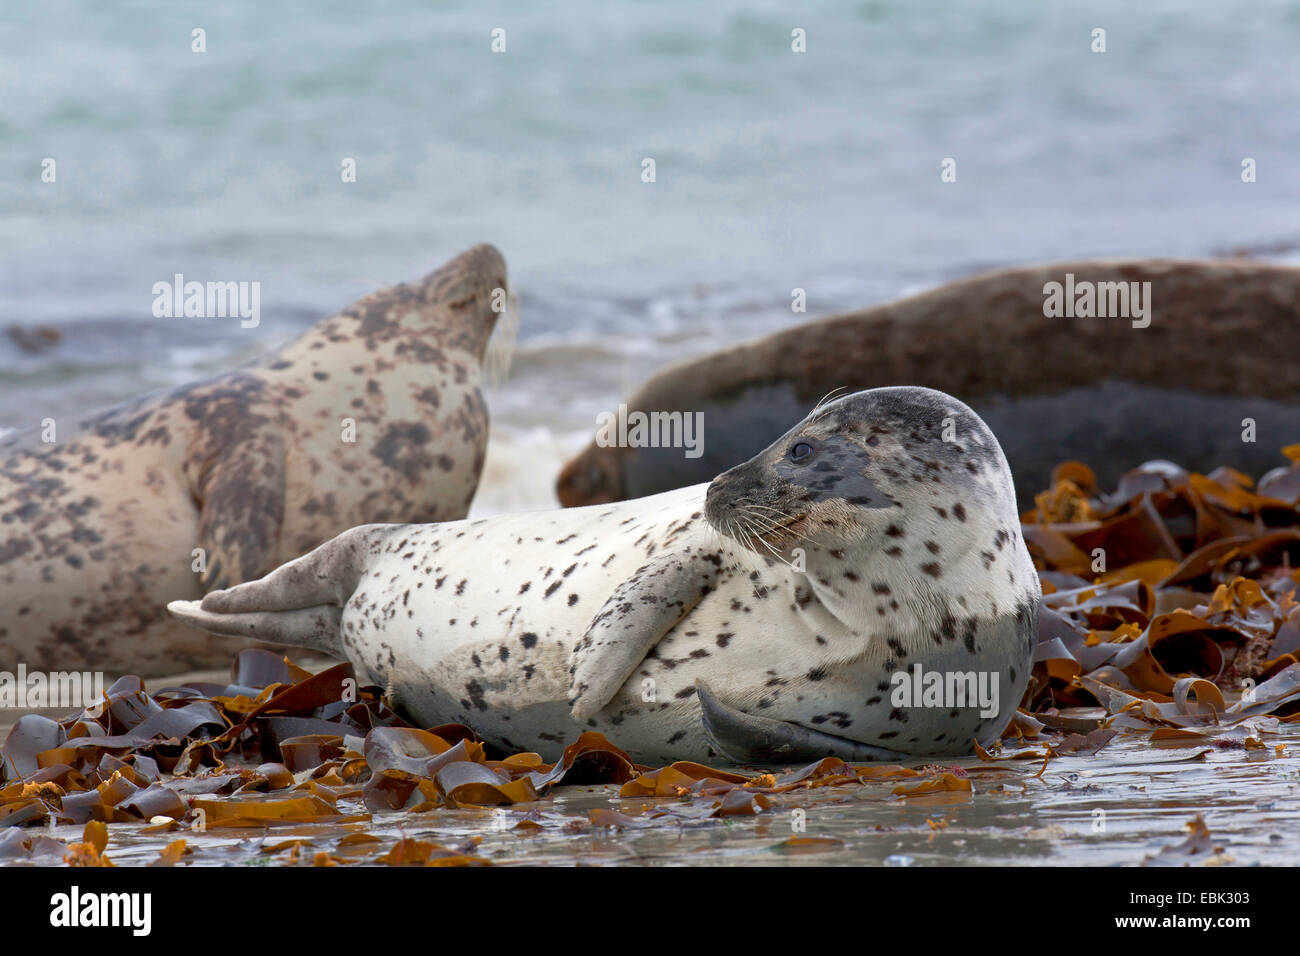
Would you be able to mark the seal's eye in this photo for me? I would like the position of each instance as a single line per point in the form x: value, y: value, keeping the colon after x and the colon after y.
x: 801, y: 452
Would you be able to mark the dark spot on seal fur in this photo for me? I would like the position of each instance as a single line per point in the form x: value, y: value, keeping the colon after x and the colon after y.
x: 403, y: 447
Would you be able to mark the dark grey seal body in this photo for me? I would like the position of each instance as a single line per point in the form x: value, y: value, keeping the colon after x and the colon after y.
x: 1219, y: 348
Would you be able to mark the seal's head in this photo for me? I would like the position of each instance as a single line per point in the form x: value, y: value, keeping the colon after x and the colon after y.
x: 457, y: 306
x: 858, y: 471
x: 474, y: 289
x: 594, y: 477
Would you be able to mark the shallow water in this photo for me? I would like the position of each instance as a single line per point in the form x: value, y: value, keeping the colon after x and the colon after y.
x: 1146, y: 797
x: 776, y: 170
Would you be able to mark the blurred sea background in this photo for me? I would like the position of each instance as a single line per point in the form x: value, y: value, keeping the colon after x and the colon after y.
x: 775, y: 170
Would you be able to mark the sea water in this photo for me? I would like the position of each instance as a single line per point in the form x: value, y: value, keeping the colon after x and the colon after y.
x: 774, y: 171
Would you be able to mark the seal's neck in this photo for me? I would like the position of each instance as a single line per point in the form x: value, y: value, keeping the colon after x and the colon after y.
x: 903, y: 581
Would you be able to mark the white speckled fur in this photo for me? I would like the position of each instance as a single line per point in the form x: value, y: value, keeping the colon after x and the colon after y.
x: 480, y: 621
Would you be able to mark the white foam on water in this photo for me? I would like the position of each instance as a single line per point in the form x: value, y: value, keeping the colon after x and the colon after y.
x: 521, y: 467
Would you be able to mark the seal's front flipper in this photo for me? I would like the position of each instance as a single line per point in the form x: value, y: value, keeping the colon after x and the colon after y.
x: 239, y: 485
x: 641, y: 610
x: 748, y: 739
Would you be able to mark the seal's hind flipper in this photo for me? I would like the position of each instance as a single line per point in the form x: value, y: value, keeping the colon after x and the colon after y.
x: 748, y: 739
x: 237, y: 478
x: 299, y: 603
x: 315, y: 627
x: 641, y: 610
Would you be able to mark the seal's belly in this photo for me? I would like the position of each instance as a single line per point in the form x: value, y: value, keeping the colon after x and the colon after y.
x: 473, y: 649
x: 511, y: 682
x: 474, y: 621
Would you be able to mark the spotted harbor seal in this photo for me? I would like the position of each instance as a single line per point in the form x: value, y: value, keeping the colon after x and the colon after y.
x: 1217, y: 348
x: 792, y: 591
x: 372, y: 415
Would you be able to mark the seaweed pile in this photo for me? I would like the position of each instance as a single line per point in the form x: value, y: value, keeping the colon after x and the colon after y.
x: 279, y: 745
x: 1169, y: 612
x: 1169, y: 605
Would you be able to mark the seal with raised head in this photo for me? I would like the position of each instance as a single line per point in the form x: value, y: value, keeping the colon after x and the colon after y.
x: 372, y: 415
x: 773, y: 615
